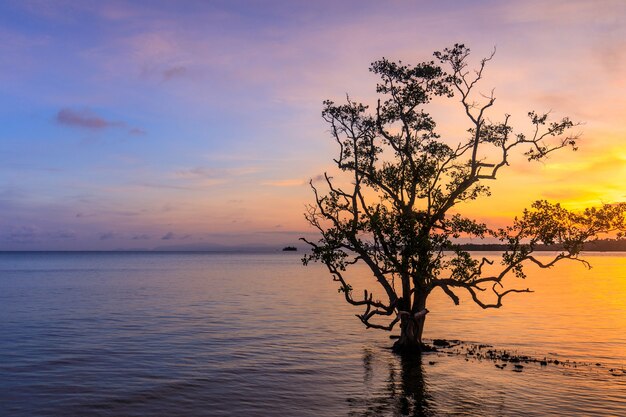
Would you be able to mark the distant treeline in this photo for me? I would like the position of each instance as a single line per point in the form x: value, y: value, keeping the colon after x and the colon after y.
x: 603, y: 245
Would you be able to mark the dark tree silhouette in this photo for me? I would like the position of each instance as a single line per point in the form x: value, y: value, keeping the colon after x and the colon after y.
x: 395, y: 214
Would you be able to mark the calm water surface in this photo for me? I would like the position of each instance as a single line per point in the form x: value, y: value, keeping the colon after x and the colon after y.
x: 197, y: 334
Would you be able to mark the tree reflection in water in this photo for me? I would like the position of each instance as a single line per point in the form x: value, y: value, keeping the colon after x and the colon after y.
x: 402, y: 394
x: 438, y: 384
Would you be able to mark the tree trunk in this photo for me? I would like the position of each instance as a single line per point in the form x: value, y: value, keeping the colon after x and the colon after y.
x: 411, y: 329
x: 410, y: 337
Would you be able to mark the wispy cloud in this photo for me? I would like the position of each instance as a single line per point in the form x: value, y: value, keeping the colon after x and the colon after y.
x: 198, y: 172
x: 285, y: 183
x: 63, y: 234
x: 137, y: 131
x: 84, y: 118
x: 318, y: 178
x: 202, y: 177
x: 141, y: 237
x: 22, y: 234
x: 109, y: 235
x: 214, y: 173
x: 88, y: 119
x: 174, y: 72
x: 165, y: 186
x: 173, y: 236
x: 31, y: 234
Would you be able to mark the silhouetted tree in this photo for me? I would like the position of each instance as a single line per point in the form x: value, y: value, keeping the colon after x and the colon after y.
x: 395, y: 215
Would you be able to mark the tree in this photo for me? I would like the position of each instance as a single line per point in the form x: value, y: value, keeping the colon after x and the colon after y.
x: 396, y: 214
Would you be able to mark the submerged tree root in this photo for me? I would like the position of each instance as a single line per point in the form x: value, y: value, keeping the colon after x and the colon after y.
x: 413, y: 350
x: 503, y: 359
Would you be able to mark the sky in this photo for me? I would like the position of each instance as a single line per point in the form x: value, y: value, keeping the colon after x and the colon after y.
x: 197, y: 124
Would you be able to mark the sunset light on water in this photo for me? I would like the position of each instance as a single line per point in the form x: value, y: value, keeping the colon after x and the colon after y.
x: 230, y: 334
x: 224, y: 208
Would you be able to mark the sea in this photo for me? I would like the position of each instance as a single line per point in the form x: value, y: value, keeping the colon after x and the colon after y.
x: 259, y: 334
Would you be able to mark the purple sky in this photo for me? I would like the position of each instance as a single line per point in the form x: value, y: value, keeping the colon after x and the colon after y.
x: 142, y: 124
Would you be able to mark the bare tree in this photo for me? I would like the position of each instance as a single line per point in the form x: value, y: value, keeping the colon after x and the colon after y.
x: 395, y: 216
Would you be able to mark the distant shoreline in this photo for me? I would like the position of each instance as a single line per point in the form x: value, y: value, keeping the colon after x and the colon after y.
x: 606, y: 245
x: 468, y: 248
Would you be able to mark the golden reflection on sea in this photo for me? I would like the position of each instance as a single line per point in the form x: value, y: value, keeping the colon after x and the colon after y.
x: 574, y: 312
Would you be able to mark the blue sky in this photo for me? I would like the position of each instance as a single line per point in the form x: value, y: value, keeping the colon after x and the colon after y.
x: 141, y: 124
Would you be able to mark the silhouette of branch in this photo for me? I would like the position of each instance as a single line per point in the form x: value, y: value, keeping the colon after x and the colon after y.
x: 393, y: 215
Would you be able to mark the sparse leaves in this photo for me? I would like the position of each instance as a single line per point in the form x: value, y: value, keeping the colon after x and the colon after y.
x: 347, y: 288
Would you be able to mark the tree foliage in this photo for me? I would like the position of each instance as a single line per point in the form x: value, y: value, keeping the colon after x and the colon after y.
x: 396, y: 214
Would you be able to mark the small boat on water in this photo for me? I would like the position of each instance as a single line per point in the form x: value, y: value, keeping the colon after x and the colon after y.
x: 290, y: 249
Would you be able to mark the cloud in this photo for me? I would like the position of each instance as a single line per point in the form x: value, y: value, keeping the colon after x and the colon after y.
x: 285, y: 183
x: 126, y: 213
x: 199, y: 172
x: 135, y: 131
x: 283, y: 232
x: 203, y: 177
x: 169, y: 236
x: 174, y: 72
x: 84, y: 118
x: 22, y: 234
x: 568, y: 194
x: 141, y: 237
x: 63, y: 234
x: 88, y: 119
x: 172, y: 236
x: 561, y: 11
x: 30, y: 234
x: 108, y: 235
x: 164, y: 186
x: 214, y: 173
